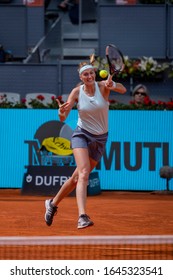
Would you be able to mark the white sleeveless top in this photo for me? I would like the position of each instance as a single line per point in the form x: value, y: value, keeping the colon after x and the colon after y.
x: 93, y: 112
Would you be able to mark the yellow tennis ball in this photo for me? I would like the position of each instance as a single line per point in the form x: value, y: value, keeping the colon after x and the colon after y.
x: 103, y: 73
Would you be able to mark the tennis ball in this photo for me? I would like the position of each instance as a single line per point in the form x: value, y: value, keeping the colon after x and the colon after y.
x: 103, y: 73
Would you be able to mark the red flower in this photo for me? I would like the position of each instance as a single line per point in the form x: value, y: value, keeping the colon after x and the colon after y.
x: 160, y: 102
x: 23, y: 100
x: 40, y: 97
x: 170, y: 104
x: 112, y: 101
x: 147, y: 100
x: 59, y: 97
x: 153, y: 102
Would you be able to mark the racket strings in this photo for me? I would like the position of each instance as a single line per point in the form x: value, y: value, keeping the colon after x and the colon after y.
x: 115, y: 59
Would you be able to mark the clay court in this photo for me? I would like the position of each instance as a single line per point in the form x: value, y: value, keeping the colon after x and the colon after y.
x: 113, y: 213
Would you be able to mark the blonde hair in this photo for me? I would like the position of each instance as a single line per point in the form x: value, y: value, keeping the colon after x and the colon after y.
x: 84, y: 63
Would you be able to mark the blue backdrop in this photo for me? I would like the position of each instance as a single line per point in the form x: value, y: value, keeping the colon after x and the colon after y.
x: 139, y: 144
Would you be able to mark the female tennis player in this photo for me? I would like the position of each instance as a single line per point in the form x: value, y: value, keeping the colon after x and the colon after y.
x: 88, y: 139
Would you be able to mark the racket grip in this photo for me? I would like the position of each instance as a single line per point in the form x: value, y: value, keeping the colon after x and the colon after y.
x: 109, y: 79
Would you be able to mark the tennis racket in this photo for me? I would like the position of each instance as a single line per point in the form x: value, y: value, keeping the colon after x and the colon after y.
x: 115, y: 60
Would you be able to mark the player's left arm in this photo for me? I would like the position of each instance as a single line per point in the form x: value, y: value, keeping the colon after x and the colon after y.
x: 107, y: 86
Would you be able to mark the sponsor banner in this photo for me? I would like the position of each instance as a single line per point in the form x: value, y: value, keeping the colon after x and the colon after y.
x: 139, y: 144
x: 47, y: 180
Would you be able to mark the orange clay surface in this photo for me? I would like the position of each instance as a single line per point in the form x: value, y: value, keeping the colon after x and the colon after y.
x: 113, y: 213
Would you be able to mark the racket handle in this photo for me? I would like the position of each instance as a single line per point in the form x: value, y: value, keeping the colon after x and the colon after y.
x: 109, y: 79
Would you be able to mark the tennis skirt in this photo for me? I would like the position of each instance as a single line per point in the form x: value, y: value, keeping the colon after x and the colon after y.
x: 94, y: 143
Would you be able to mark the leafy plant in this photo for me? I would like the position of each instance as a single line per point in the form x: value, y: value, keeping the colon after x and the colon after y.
x: 113, y: 104
x: 148, y: 104
x: 39, y: 103
x: 144, y: 67
x: 5, y: 103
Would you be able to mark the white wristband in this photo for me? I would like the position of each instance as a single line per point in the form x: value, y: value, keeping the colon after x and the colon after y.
x: 60, y: 114
x: 114, y: 84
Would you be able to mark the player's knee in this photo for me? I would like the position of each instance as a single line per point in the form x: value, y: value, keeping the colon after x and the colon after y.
x: 84, y: 174
x: 75, y: 179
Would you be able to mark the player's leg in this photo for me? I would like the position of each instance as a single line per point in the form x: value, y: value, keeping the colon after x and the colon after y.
x: 51, y: 204
x: 85, y: 165
x: 66, y: 188
x: 81, y: 174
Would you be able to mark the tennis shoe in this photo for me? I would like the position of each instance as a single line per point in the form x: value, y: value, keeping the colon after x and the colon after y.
x: 84, y: 221
x: 50, y: 212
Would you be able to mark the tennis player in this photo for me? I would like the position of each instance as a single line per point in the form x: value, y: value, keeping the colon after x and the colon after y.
x: 88, y: 139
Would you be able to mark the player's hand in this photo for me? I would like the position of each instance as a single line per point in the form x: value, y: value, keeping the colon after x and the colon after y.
x: 109, y: 83
x: 63, y: 107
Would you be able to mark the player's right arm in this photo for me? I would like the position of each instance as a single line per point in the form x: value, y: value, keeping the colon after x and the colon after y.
x: 65, y: 108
